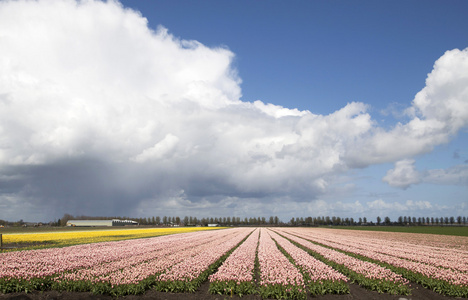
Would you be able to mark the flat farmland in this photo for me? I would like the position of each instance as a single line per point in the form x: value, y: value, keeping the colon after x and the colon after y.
x: 47, y: 237
x: 252, y: 263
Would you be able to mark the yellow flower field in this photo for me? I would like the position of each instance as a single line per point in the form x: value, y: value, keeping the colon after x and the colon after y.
x: 66, y: 238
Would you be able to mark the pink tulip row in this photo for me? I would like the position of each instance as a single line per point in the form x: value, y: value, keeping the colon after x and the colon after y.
x: 367, y: 269
x: 437, y: 257
x: 432, y: 240
x: 143, y: 264
x: 239, y: 266
x: 172, y: 255
x: 317, y: 270
x: 192, y: 266
x: 275, y: 268
x: 382, y: 252
x: 48, y: 262
x: 40, y: 263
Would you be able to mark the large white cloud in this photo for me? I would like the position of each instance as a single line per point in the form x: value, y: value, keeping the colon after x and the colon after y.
x: 100, y: 113
x: 437, y: 113
x: 403, y: 175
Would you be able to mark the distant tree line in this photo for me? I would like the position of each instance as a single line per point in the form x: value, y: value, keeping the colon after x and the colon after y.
x: 401, y: 221
x: 263, y: 221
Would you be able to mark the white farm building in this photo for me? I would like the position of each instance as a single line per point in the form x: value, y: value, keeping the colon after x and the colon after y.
x: 96, y: 223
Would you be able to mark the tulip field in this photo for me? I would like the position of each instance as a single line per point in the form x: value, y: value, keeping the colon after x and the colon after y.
x: 280, y: 263
x: 37, y: 240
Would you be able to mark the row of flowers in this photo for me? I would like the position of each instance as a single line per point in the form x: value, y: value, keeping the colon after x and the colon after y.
x: 47, y: 262
x: 366, y: 274
x: 236, y: 274
x: 320, y: 277
x: 288, y: 262
x: 142, y: 264
x: 437, y: 257
x: 103, y: 267
x: 279, y: 278
x: 68, y: 238
x: 448, y: 281
x: 189, y: 273
x: 440, y: 241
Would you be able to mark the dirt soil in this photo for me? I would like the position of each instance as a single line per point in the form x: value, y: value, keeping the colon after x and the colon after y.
x: 357, y: 292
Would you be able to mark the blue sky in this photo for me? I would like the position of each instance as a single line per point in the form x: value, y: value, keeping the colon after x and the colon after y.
x: 319, y: 55
x: 295, y: 109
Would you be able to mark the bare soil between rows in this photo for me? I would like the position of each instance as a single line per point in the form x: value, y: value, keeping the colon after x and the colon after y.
x: 356, y: 292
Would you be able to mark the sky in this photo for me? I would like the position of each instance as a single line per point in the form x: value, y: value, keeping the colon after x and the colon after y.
x: 233, y: 108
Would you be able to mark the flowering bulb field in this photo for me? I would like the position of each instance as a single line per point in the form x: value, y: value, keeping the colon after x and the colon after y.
x: 68, y: 238
x: 282, y: 263
x: 443, y: 269
x: 321, y: 278
x: 365, y: 273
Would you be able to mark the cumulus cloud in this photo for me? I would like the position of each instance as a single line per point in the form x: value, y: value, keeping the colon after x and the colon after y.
x: 437, y: 113
x: 99, y: 114
x: 403, y: 175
